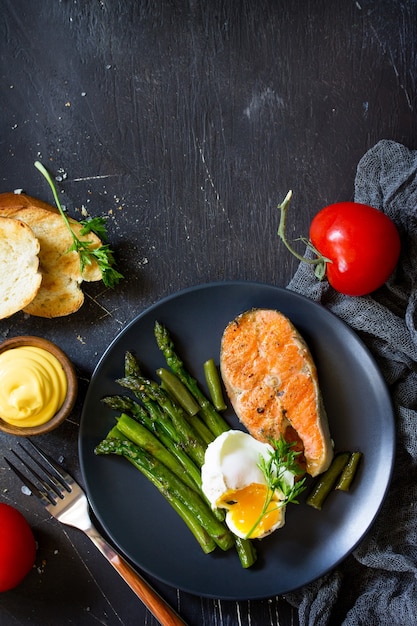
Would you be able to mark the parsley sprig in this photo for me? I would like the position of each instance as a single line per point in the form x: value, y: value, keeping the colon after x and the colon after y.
x: 282, y: 459
x: 102, y: 255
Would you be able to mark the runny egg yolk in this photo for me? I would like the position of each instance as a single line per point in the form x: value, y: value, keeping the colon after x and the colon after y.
x: 246, y: 510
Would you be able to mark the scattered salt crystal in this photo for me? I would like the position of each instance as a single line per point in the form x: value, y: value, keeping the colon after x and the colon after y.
x: 26, y: 490
x: 61, y: 175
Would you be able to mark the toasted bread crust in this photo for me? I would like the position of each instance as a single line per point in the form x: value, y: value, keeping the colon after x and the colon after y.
x: 60, y: 293
x: 271, y: 380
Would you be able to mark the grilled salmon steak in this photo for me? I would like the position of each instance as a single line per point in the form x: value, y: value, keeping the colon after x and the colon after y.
x: 271, y: 380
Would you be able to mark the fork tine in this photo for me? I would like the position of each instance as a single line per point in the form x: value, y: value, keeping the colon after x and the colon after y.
x: 53, y: 482
x: 63, y: 477
x: 44, y: 496
x: 56, y: 485
x: 45, y: 481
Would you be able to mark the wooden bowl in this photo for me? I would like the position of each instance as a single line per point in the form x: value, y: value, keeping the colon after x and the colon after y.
x: 72, y: 386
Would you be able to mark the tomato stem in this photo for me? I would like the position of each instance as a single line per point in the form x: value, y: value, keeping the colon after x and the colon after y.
x: 320, y: 261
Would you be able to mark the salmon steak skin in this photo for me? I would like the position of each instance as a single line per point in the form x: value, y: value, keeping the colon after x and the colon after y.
x: 271, y: 380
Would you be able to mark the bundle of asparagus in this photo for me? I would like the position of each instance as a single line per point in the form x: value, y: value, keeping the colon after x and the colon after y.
x: 164, y: 430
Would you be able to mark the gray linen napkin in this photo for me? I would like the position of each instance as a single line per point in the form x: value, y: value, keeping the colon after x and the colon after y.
x: 377, y: 584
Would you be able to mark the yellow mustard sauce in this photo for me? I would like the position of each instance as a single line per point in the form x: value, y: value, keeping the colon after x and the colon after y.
x: 33, y: 386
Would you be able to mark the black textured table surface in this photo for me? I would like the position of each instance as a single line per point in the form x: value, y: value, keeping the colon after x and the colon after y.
x: 185, y: 123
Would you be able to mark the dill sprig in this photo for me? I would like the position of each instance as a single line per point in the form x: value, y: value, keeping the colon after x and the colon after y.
x: 102, y: 255
x: 282, y: 459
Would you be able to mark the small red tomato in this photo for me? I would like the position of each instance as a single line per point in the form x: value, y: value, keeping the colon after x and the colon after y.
x: 17, y: 547
x: 361, y: 243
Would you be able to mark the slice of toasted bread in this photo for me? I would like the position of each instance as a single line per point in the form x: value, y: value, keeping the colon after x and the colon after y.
x: 60, y: 292
x: 271, y: 380
x: 20, y: 278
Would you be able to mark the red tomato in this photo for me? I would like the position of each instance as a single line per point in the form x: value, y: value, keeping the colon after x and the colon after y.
x: 17, y: 547
x: 362, y: 244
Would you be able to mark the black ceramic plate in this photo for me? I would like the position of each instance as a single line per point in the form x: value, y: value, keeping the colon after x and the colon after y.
x: 148, y: 531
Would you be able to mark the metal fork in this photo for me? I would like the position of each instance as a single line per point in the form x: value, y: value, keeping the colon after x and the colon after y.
x: 66, y: 501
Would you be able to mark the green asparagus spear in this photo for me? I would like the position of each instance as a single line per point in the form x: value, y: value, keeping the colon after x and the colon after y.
x: 214, y: 385
x: 115, y: 433
x: 126, y: 404
x: 156, y: 414
x: 349, y: 472
x: 141, y: 436
x: 326, y: 481
x: 160, y: 427
x: 204, y: 434
x: 156, y: 417
x: 178, y: 390
x: 174, y: 387
x: 213, y: 419
x: 171, y: 485
x: 132, y: 367
x: 114, y: 444
x: 246, y: 551
x: 195, y: 446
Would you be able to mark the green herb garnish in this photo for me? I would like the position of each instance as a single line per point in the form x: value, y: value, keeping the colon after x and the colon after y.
x: 281, y: 460
x: 102, y: 255
x: 95, y: 225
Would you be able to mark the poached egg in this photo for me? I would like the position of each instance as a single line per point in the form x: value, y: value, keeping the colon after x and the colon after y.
x: 233, y: 480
